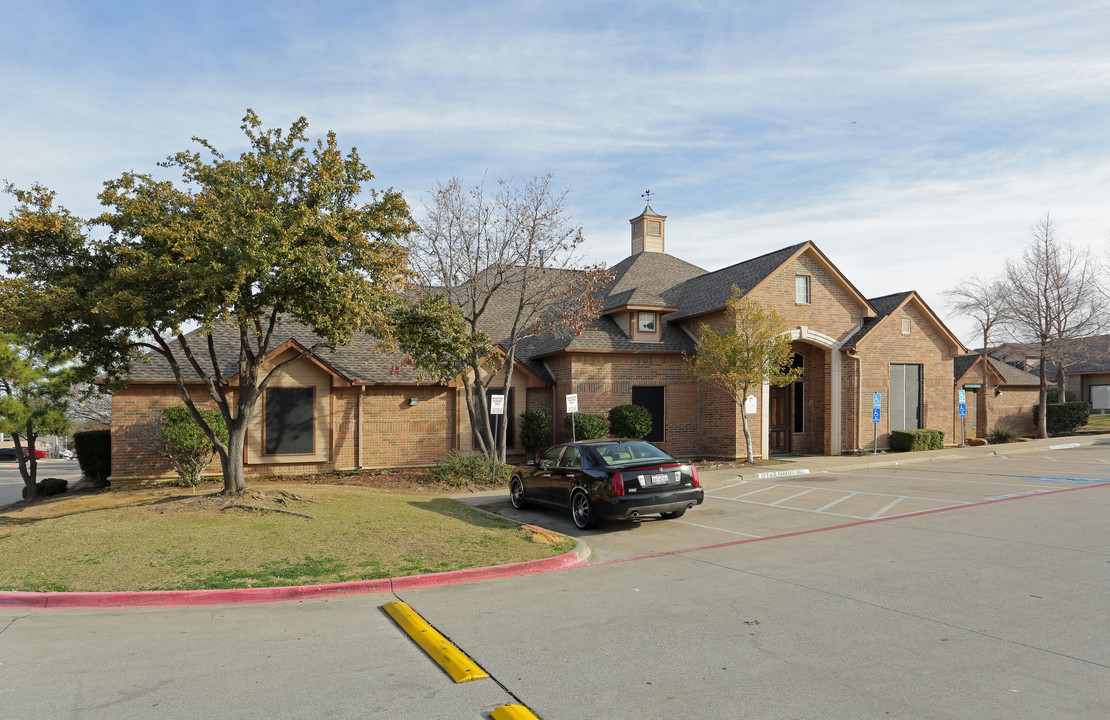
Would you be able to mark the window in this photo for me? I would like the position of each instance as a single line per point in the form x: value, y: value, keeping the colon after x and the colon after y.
x: 652, y: 399
x: 798, y: 361
x: 654, y: 227
x: 905, y: 397
x: 801, y: 289
x: 290, y: 421
x: 637, y: 228
x: 906, y: 326
x: 646, y: 322
x: 1100, y: 399
x: 571, y: 458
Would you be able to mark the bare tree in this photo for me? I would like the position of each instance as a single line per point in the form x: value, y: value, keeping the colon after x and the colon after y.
x: 1053, y: 302
x: 986, y: 303
x: 90, y: 406
x: 510, y: 258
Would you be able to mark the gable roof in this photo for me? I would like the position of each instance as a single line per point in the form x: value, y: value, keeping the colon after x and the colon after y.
x: 1004, y: 373
x: 887, y: 305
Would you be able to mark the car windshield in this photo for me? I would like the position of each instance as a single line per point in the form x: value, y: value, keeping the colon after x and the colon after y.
x: 629, y: 453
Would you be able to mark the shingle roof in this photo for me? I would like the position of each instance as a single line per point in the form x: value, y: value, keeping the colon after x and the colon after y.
x: 1010, y: 375
x: 884, y: 306
x: 711, y: 291
x: 359, y: 362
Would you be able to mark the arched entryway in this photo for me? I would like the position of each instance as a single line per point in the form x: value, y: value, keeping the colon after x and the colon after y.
x: 797, y: 412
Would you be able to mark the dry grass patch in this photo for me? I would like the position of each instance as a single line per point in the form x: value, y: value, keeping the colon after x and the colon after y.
x: 277, y: 534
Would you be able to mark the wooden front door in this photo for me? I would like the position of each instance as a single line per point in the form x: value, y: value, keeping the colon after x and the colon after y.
x: 779, y: 409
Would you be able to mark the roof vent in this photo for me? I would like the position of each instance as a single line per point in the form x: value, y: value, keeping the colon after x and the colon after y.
x: 647, y: 231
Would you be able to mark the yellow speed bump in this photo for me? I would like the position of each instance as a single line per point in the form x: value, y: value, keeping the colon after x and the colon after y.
x: 457, y: 664
x: 513, y: 712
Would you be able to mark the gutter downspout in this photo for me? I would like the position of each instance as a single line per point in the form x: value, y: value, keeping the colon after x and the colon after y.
x: 358, y: 430
x: 836, y: 441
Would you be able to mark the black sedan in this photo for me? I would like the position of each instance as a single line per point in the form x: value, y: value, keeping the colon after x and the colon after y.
x: 608, y: 478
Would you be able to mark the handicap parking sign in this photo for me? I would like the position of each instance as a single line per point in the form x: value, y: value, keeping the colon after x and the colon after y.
x: 876, y: 414
x: 963, y: 410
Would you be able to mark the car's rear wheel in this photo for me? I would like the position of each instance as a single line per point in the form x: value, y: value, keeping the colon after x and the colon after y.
x: 516, y: 494
x: 672, y: 515
x: 582, y: 511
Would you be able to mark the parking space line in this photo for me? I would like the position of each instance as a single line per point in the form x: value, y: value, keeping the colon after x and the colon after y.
x: 888, y: 507
x: 796, y: 509
x: 834, y: 502
x: 804, y: 492
x: 942, y: 479
x: 710, y: 527
x: 753, y: 492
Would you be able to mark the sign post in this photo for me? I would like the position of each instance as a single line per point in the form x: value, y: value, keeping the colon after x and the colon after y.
x: 572, y: 408
x: 496, y: 407
x: 876, y: 416
x: 963, y: 417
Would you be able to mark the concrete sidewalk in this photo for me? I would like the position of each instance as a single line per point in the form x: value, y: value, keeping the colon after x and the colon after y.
x: 810, y: 464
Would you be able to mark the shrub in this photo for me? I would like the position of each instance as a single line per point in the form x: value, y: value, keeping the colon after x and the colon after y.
x: 914, y: 440
x: 535, y: 431
x: 49, y: 486
x: 586, y: 427
x: 462, y: 469
x: 1052, y: 395
x: 1000, y: 434
x: 629, y: 421
x: 1064, y: 417
x: 183, y: 442
x: 94, y: 455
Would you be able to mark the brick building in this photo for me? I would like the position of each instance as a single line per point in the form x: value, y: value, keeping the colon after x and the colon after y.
x: 352, y: 407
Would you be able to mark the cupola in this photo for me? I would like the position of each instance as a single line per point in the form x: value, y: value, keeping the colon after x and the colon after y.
x: 647, y: 231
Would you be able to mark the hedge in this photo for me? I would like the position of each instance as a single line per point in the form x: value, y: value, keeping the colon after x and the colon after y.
x: 587, y: 427
x: 94, y: 454
x: 1064, y: 417
x: 48, y: 487
x: 914, y: 440
x: 629, y: 421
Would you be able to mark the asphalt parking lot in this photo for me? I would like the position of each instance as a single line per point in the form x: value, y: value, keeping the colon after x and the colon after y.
x: 765, y: 502
x: 11, y: 482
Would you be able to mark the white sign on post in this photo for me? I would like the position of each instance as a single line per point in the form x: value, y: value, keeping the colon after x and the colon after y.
x: 750, y: 406
x: 877, y: 400
x: 496, y: 404
x: 572, y: 403
x: 963, y: 396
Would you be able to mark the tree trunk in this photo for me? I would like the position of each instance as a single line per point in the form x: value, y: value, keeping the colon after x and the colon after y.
x: 1042, y: 407
x: 232, y: 464
x: 747, y: 430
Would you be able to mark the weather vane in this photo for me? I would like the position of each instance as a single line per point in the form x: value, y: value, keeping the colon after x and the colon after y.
x: 647, y: 195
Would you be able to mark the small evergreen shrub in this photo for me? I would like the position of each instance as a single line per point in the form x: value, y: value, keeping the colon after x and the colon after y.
x: 1064, y: 417
x: 586, y: 427
x: 48, y: 487
x: 1000, y: 434
x: 94, y: 455
x: 535, y: 431
x: 629, y: 421
x: 461, y: 469
x: 915, y: 440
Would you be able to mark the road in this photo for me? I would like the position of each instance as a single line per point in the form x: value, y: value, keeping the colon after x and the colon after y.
x: 11, y: 482
x: 953, y: 590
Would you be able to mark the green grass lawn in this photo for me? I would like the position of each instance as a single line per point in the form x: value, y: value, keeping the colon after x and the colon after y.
x: 1097, y: 422
x: 167, y: 539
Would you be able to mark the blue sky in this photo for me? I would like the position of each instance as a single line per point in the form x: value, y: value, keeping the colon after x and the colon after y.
x: 915, y: 143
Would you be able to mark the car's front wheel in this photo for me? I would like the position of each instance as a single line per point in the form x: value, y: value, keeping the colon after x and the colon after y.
x: 516, y: 494
x: 582, y: 511
x: 672, y: 515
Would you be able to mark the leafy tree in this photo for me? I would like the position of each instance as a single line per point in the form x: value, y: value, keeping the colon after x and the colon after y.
x: 510, y: 261
x: 279, y: 232
x: 750, y: 350
x: 629, y: 421
x: 175, y: 436
x: 34, y: 393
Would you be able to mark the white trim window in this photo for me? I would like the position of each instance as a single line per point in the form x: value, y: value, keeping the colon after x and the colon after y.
x: 645, y: 322
x: 801, y: 289
x: 906, y: 326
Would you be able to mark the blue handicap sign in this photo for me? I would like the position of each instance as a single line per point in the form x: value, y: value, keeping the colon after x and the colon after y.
x: 875, y: 415
x: 963, y: 409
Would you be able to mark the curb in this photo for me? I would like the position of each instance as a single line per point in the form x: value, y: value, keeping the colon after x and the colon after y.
x: 189, y: 598
x: 963, y: 453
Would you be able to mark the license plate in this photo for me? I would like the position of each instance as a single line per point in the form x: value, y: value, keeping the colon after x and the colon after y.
x: 661, y: 479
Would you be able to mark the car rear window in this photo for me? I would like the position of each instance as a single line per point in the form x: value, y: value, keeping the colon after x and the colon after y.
x: 629, y: 453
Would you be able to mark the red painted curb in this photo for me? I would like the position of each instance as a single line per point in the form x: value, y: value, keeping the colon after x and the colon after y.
x: 188, y: 598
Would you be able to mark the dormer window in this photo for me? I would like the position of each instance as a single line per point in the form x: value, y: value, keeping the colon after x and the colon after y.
x: 646, y: 322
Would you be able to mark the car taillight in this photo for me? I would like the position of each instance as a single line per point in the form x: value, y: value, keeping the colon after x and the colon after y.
x: 694, y: 474
x: 618, y: 483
